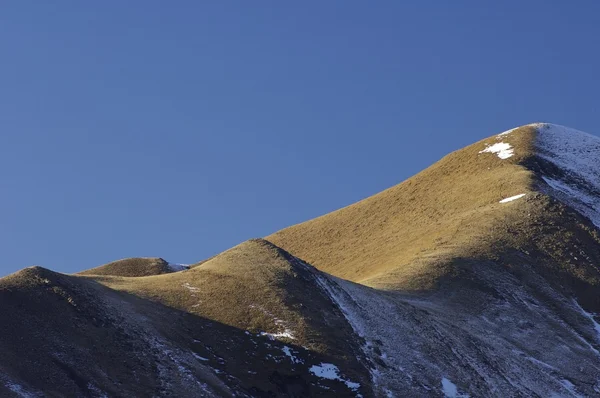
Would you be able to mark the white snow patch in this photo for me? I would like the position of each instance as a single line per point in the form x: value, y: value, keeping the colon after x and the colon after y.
x: 450, y: 390
x: 519, y: 196
x: 502, y: 149
x: 331, y: 372
x: 199, y: 357
x: 325, y: 371
x: 280, y: 324
x: 276, y: 336
x: 288, y: 351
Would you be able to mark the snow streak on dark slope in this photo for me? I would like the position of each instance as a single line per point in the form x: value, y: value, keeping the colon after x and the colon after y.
x: 513, y: 345
x: 576, y: 179
x: 525, y: 339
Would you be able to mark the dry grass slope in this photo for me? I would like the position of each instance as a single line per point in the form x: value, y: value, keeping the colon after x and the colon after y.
x: 137, y: 266
x: 229, y: 319
x: 259, y: 288
x: 254, y: 286
x: 404, y: 237
x: 225, y: 324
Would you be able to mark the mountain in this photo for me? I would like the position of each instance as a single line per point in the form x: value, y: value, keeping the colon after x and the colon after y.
x: 478, y: 277
x: 133, y: 267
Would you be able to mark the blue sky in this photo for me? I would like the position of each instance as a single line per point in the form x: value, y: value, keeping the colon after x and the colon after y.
x: 180, y: 129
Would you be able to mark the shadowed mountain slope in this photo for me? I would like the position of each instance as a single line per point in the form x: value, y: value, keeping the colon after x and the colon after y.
x: 66, y: 336
x: 500, y: 242
x: 477, y: 277
x: 252, y: 321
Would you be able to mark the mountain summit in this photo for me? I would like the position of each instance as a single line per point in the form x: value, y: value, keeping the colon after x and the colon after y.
x: 476, y: 277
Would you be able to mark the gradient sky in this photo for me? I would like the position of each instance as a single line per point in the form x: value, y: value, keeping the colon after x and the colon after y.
x: 180, y: 129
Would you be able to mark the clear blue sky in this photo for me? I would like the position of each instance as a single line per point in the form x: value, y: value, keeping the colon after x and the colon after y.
x: 179, y: 129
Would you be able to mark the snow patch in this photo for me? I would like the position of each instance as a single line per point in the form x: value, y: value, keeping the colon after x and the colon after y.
x: 450, y: 390
x: 331, y: 372
x: 519, y: 196
x: 502, y: 149
x: 288, y: 351
x: 284, y: 331
x: 200, y: 358
x: 276, y: 336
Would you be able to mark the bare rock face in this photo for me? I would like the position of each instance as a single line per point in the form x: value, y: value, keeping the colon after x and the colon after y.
x: 477, y: 277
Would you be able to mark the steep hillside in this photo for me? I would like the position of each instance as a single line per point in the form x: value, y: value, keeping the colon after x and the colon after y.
x: 65, y: 336
x: 253, y: 321
x: 402, y: 236
x: 498, y: 249
x: 494, y: 195
x: 478, y: 277
x: 259, y: 288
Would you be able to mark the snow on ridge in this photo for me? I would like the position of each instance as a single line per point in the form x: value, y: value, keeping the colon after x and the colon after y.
x: 502, y: 149
x: 507, y: 132
x: 519, y: 196
x: 178, y: 267
x: 577, y: 155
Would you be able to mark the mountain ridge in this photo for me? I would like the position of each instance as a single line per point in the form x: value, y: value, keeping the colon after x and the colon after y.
x: 476, y: 277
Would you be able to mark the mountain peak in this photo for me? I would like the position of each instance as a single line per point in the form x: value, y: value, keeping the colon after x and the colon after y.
x: 472, y: 278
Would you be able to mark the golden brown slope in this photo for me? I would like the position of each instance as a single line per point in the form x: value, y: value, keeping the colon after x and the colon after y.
x: 252, y: 320
x: 516, y: 284
x: 400, y: 237
x: 254, y: 286
x: 258, y: 288
x: 137, y: 266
